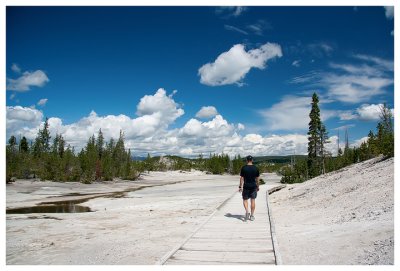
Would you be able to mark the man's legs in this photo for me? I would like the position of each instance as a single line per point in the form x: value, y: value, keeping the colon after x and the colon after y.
x: 253, y: 206
x: 246, y: 207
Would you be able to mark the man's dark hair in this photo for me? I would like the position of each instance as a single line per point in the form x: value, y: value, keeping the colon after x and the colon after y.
x: 249, y: 158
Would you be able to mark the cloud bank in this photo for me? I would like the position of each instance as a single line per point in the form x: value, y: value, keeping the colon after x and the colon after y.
x: 150, y: 131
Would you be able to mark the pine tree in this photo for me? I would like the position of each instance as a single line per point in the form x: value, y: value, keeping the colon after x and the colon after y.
x: 148, y: 163
x: 317, y: 138
x: 11, y: 159
x: 88, y: 158
x: 386, y: 132
x: 42, y: 141
x: 346, y: 139
x: 24, y: 145
x: 12, y: 142
x: 237, y: 164
x: 119, y: 154
x: 314, y: 139
x: 55, y: 145
x: 45, y: 136
x: 100, y: 144
x: 323, y: 140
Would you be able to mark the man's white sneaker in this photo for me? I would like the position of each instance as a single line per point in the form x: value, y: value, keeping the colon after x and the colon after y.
x: 252, y: 218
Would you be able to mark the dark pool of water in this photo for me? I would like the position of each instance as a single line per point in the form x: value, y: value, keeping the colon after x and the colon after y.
x: 72, y: 206
x: 53, y: 207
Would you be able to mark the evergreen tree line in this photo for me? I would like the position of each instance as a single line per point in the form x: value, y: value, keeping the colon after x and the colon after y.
x: 321, y: 161
x: 53, y: 160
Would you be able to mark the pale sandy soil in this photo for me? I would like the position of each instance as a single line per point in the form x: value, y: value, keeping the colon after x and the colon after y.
x: 138, y: 228
x: 346, y: 217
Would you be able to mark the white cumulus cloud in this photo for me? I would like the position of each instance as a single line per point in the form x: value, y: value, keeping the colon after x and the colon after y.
x: 27, y: 80
x: 23, y: 120
x: 207, y: 112
x: 232, y: 66
x: 159, y: 108
x: 155, y: 113
x: 193, y: 128
x: 370, y: 112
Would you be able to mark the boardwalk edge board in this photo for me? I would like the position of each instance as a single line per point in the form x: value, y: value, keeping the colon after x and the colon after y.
x: 278, y: 258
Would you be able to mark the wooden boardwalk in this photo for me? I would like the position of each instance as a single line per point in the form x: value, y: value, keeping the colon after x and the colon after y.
x: 225, y: 238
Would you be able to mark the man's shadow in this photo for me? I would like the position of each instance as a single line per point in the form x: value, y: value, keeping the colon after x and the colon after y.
x: 240, y: 217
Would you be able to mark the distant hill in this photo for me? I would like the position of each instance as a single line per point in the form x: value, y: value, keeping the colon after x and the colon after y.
x: 257, y: 159
x: 138, y: 158
x: 277, y: 159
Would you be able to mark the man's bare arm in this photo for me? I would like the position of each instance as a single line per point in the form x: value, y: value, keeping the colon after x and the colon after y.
x: 241, y: 183
x: 258, y: 182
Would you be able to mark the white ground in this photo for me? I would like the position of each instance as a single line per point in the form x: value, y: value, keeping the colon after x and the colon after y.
x: 340, y: 218
x: 345, y: 217
x: 136, y: 229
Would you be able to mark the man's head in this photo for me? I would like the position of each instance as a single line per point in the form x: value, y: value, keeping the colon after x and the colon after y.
x: 249, y: 159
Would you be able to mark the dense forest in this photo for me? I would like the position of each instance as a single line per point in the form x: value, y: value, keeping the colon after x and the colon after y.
x: 51, y: 159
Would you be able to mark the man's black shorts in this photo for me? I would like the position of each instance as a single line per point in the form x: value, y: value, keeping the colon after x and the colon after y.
x: 249, y: 193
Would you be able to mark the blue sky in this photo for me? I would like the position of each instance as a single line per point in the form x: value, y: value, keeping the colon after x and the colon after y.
x: 150, y: 70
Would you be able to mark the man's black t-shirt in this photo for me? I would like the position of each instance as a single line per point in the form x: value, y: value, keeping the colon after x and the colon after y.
x: 249, y: 173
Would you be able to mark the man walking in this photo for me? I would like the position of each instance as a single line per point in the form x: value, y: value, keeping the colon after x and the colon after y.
x: 249, y: 185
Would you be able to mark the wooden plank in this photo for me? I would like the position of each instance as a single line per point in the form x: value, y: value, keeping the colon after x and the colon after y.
x: 212, y: 246
x: 233, y: 235
x: 203, y: 262
x: 260, y: 221
x: 260, y: 241
x: 237, y: 217
x: 260, y: 231
x: 242, y: 238
x: 238, y: 223
x: 215, y: 256
x: 238, y: 229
